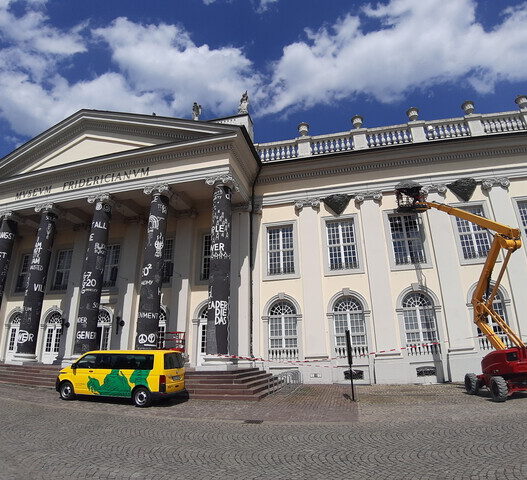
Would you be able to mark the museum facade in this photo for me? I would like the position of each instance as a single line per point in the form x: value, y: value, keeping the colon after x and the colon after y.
x: 119, y: 228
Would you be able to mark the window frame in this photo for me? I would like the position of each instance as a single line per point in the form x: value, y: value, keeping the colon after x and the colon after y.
x: 168, y: 258
x: 354, y: 218
x: 53, y: 288
x: 516, y: 203
x: 265, y: 251
x: 389, y: 242
x: 105, y: 284
x: 21, y: 256
x: 462, y: 259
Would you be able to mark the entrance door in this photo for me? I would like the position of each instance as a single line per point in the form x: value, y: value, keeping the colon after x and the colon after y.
x: 202, y: 342
x: 12, y: 333
x: 52, y: 334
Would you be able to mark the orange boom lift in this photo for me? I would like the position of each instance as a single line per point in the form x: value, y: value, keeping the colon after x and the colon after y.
x: 504, y: 370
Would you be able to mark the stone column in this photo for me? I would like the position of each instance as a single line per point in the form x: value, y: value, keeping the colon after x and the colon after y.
x: 8, y: 232
x: 38, y: 272
x: 92, y: 276
x: 151, y: 274
x: 220, y: 266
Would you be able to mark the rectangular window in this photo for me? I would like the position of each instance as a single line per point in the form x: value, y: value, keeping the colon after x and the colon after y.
x: 522, y: 209
x: 342, y: 245
x: 474, y: 240
x: 23, y: 274
x: 111, y: 267
x: 205, y: 257
x: 168, y: 260
x: 407, y: 239
x: 62, y: 270
x: 280, y: 250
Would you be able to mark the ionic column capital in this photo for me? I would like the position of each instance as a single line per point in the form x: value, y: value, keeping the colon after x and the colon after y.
x: 376, y: 196
x: 47, y: 208
x: 440, y: 188
x: 488, y: 183
x: 307, y: 202
x: 158, y: 189
x: 102, y: 198
x: 10, y: 215
x: 226, y: 180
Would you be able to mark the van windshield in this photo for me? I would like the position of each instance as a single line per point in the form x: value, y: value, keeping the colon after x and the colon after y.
x: 173, y: 360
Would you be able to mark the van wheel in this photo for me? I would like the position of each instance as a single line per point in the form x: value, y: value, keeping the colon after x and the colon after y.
x: 142, y: 397
x: 66, y: 391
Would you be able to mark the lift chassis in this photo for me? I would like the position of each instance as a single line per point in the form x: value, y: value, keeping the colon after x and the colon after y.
x: 505, y: 369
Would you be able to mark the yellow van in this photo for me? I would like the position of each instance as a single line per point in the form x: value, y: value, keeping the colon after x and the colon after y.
x: 142, y: 375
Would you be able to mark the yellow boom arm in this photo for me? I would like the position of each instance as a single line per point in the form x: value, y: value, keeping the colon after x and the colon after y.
x: 505, y: 237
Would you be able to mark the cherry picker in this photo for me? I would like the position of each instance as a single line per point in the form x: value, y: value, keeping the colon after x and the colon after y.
x: 504, y: 371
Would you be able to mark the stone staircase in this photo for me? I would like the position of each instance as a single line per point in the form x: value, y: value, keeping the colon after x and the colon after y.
x: 36, y: 375
x: 242, y: 384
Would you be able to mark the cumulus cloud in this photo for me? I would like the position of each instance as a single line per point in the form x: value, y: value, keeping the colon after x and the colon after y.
x: 163, y: 58
x: 158, y: 69
x: 416, y: 44
x: 261, y: 5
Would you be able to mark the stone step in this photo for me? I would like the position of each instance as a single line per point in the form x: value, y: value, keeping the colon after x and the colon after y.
x: 223, y: 381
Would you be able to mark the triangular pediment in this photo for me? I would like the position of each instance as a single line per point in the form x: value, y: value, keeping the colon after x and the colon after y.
x: 90, y: 133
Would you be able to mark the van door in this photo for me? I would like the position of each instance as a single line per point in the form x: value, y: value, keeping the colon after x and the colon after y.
x: 85, y: 368
x: 174, y: 371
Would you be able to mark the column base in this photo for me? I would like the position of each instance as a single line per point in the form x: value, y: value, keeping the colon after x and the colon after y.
x: 24, y: 358
x: 211, y: 362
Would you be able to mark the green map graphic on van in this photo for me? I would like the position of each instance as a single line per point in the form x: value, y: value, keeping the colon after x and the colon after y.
x: 116, y: 384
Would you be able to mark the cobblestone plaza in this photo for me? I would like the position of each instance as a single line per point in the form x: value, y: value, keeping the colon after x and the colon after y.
x: 411, y: 432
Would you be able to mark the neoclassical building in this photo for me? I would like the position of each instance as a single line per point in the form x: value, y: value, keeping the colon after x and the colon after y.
x: 118, y: 228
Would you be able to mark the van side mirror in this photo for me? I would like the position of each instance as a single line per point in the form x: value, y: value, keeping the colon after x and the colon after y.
x: 74, y: 366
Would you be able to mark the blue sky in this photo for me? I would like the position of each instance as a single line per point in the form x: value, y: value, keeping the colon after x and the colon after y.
x: 319, y: 61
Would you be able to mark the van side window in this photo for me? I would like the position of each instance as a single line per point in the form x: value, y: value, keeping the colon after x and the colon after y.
x: 132, y: 362
x: 88, y: 361
x: 173, y: 360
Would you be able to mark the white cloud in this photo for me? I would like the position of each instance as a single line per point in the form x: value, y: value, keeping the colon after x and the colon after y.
x: 165, y: 59
x: 261, y: 5
x: 159, y: 69
x: 417, y: 44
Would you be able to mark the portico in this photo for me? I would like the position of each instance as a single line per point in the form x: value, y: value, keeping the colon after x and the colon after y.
x: 119, y: 274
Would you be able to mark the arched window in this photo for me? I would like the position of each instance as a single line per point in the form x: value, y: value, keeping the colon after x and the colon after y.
x: 14, y: 326
x: 419, y: 320
x: 283, y: 334
x: 499, y: 307
x: 203, y: 329
x: 104, y: 328
x: 348, y: 314
x: 52, y: 336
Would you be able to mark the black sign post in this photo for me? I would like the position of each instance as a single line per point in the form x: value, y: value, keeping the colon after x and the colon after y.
x: 220, y: 272
x: 350, y: 363
x: 38, y: 272
x: 92, y: 276
x: 152, y: 272
x: 8, y: 232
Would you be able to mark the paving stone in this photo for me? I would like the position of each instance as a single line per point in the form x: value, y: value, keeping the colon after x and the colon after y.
x: 314, y: 431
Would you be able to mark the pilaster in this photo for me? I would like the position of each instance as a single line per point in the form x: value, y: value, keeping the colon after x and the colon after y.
x: 461, y: 353
x: 504, y: 212
x: 386, y: 328
x: 313, y: 312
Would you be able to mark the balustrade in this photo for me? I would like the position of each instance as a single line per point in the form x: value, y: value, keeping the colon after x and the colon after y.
x: 509, y: 123
x: 484, y: 343
x: 383, y: 138
x: 356, y: 351
x: 411, y: 132
x: 438, y: 131
x: 423, y: 349
x: 281, y: 354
